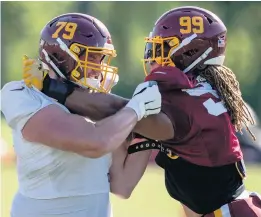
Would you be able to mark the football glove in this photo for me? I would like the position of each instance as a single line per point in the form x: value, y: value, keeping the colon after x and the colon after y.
x: 35, y: 75
x: 146, y: 99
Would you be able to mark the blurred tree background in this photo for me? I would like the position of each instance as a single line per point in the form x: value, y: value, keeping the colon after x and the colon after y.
x: 129, y: 23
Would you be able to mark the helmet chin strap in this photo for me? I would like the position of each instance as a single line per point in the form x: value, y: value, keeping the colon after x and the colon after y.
x: 96, y: 83
x: 92, y: 82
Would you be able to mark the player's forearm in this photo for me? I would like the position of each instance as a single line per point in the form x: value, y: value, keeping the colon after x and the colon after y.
x: 74, y: 133
x: 115, y: 129
x: 109, y: 133
x: 96, y: 106
x: 127, y: 170
x: 134, y: 168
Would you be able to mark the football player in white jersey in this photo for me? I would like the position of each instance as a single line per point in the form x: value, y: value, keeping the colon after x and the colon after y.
x: 63, y: 159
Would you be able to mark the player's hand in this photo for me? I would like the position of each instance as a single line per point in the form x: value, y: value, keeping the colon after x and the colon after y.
x: 33, y: 72
x: 146, y: 99
x: 35, y: 75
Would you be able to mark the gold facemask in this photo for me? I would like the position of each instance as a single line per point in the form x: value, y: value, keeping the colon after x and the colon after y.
x: 109, y: 74
x: 159, y: 50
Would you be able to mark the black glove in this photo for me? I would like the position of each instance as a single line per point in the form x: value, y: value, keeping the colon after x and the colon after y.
x: 56, y: 89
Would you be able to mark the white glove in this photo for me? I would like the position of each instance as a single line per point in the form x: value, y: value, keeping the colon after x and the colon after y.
x: 146, y: 99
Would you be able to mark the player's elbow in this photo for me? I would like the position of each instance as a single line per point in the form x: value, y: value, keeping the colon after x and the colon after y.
x: 104, y: 145
x: 124, y: 196
x: 126, y: 193
x: 98, y: 152
x: 122, y: 192
x: 100, y: 147
x: 121, y: 187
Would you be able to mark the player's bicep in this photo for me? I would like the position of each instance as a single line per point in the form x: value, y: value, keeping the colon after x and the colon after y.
x: 157, y: 127
x: 44, y: 124
x: 54, y: 127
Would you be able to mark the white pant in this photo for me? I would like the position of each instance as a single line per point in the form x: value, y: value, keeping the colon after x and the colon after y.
x: 95, y: 205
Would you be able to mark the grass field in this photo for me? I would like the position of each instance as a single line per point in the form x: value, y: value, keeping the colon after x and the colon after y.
x: 149, y: 199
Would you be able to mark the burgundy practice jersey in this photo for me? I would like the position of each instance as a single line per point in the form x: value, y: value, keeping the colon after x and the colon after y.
x: 204, y: 134
x: 205, y: 169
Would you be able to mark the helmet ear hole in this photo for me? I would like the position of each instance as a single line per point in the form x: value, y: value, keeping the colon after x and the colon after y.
x: 191, y: 52
x: 54, y: 57
x: 178, y: 61
x: 201, y: 67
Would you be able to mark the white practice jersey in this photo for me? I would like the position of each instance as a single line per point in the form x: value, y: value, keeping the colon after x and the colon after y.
x: 45, y: 172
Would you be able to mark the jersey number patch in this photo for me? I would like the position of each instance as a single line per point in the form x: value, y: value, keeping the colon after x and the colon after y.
x: 213, y: 108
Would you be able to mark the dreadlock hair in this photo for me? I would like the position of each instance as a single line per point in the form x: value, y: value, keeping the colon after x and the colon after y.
x: 224, y: 81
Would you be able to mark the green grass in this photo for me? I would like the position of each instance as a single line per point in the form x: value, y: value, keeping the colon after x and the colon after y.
x: 149, y: 199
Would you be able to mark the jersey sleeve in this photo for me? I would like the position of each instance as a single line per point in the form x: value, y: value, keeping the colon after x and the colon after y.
x: 19, y: 103
x: 180, y: 119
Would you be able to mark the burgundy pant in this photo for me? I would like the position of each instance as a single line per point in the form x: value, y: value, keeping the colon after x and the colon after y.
x: 248, y: 207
